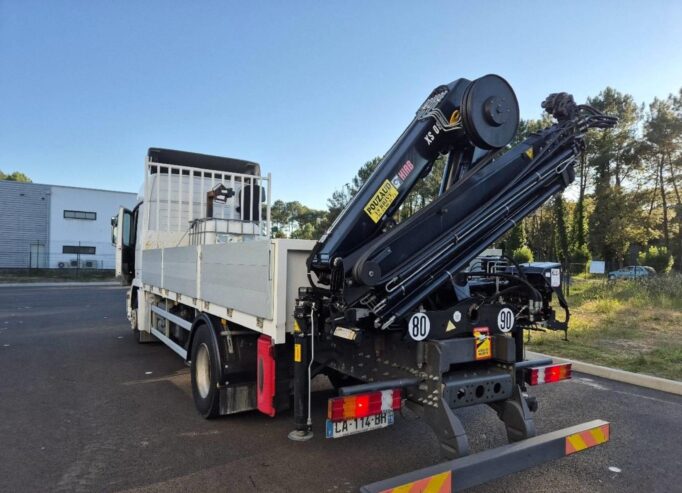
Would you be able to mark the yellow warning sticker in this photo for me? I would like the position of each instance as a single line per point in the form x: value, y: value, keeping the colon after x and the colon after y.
x: 484, y: 348
x: 297, y: 328
x: 381, y: 201
x: 529, y: 153
x: 297, y: 353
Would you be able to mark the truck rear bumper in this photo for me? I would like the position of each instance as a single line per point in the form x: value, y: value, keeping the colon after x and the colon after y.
x: 472, y: 470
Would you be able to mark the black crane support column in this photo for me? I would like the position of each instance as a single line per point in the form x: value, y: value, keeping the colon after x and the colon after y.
x: 301, y: 357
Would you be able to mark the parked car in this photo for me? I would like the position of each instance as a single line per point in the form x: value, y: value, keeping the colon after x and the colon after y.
x: 632, y: 272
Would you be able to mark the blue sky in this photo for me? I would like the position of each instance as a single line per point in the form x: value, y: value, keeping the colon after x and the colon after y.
x: 311, y: 90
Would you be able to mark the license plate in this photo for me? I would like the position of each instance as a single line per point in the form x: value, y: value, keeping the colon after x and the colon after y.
x: 338, y: 429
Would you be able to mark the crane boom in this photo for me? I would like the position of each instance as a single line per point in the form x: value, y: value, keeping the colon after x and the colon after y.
x: 373, y: 263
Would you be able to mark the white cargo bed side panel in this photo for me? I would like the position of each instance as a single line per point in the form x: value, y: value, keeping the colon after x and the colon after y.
x: 237, y: 275
x: 290, y: 274
x: 180, y: 270
x: 153, y: 267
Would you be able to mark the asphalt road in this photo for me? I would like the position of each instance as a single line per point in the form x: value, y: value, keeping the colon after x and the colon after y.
x: 83, y: 407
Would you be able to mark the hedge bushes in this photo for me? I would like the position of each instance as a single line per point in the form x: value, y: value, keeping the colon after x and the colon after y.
x: 658, y: 258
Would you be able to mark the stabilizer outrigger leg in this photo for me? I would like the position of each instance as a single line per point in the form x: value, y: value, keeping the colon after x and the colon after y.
x: 448, y: 428
x: 516, y: 416
x: 303, y: 332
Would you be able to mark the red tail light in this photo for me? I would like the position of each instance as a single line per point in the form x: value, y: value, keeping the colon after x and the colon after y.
x: 363, y: 405
x: 548, y: 374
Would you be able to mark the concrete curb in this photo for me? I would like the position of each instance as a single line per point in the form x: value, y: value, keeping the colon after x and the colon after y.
x: 656, y: 383
x: 57, y: 284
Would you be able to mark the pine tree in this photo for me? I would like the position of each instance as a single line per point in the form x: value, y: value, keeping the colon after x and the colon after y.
x: 561, y: 231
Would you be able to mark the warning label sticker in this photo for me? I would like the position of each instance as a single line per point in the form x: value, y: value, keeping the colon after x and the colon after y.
x: 483, y: 343
x: 381, y: 201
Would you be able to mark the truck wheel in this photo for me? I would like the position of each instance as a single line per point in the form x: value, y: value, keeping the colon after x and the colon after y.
x: 205, y: 369
x: 134, y: 315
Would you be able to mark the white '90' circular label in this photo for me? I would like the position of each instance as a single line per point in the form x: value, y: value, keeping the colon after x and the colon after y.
x: 505, y: 320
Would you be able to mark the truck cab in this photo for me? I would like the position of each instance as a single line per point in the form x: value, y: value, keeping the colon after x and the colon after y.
x: 123, y: 236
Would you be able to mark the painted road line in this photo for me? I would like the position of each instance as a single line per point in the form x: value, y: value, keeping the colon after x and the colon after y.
x: 59, y: 284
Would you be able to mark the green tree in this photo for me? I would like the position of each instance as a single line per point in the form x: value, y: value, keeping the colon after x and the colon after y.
x: 522, y: 255
x: 540, y: 233
x: 658, y: 258
x: 517, y: 238
x: 613, y: 157
x: 662, y: 151
x: 15, y: 176
x: 278, y: 215
x: 293, y: 210
x: 580, y: 255
x: 306, y: 215
x: 305, y: 232
x: 561, y: 245
x: 363, y: 175
x: 310, y: 223
x: 424, y: 191
x: 295, y: 219
x: 579, y: 225
x: 340, y: 198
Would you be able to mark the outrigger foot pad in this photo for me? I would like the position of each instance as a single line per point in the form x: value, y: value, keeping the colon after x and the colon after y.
x: 300, y: 435
x: 448, y: 429
x: 516, y: 415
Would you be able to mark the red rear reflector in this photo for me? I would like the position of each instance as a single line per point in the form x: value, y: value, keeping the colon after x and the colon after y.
x: 548, y: 374
x: 265, y: 389
x: 363, y: 405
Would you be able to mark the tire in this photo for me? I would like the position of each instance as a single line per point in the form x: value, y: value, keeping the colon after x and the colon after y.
x: 135, y: 312
x: 205, y: 369
x: 138, y: 337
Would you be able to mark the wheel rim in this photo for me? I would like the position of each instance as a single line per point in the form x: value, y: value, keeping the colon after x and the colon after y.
x: 202, y: 371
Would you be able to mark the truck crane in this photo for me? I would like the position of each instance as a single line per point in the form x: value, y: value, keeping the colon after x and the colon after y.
x: 396, y: 313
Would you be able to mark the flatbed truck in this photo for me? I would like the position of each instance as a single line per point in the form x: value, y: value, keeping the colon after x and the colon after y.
x: 395, y: 313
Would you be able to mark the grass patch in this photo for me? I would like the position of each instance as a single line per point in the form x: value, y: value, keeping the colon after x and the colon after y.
x: 634, y: 325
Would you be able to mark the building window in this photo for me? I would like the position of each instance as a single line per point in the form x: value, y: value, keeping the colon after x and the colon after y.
x: 82, y: 250
x: 91, y: 216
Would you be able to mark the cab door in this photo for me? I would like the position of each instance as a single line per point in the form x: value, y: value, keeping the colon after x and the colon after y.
x: 123, y: 238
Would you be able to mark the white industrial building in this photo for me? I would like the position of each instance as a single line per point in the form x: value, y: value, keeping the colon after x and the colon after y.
x: 53, y: 226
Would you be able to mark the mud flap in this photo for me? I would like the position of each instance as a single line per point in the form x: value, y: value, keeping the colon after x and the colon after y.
x: 238, y: 397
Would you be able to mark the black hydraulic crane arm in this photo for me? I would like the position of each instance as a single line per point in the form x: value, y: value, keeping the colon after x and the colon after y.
x: 471, y: 117
x: 398, y: 304
x: 390, y: 269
